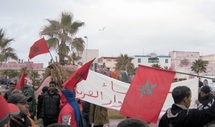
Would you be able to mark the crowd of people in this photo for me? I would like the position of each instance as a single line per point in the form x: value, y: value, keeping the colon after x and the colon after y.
x: 59, y: 107
x: 55, y: 107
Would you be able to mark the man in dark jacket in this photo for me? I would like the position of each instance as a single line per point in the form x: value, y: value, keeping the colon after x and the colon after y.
x: 50, y: 105
x: 21, y: 120
x: 206, y: 98
x: 28, y: 91
x: 39, y: 105
x: 180, y: 116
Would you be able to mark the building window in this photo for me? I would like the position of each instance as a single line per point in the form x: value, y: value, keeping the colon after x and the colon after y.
x: 139, y: 60
x: 166, y: 60
x: 153, y: 60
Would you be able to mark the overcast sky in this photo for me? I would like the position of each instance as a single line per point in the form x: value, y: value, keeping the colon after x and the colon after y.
x: 133, y: 27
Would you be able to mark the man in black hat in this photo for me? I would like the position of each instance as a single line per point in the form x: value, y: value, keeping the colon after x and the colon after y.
x: 23, y: 119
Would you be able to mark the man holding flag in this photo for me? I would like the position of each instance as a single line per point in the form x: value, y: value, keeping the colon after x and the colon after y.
x: 179, y: 115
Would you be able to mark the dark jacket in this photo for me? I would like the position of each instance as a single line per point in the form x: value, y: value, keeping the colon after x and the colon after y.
x: 17, y: 122
x: 39, y: 105
x: 50, y: 105
x: 7, y: 94
x: 206, y: 101
x: 28, y: 91
x: 179, y: 117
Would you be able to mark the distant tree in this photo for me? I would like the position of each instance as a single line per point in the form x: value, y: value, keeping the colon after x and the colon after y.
x: 22, y: 70
x: 10, y: 73
x: 34, y: 76
x: 61, y: 38
x: 124, y: 62
x: 156, y: 65
x: 6, y: 51
x: 199, y: 66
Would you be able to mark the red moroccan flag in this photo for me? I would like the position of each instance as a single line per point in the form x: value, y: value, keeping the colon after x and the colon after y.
x: 147, y: 93
x: 39, y: 47
x: 77, y: 76
x: 20, y: 83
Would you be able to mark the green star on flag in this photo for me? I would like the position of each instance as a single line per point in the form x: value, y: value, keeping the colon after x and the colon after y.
x: 147, y: 89
x: 39, y: 47
x: 147, y: 93
x: 36, y: 49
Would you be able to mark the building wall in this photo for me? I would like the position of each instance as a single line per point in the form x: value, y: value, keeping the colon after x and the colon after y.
x: 210, y: 66
x: 181, y: 61
x: 163, y: 61
x: 18, y: 66
x: 110, y: 62
x: 89, y: 54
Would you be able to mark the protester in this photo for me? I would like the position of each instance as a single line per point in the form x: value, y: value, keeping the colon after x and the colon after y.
x: 50, y: 105
x: 28, y: 91
x: 85, y: 113
x: 70, y: 113
x: 39, y: 104
x: 9, y: 91
x: 7, y: 109
x: 98, y: 115
x: 132, y: 122
x: 21, y: 120
x: 180, y: 116
x: 205, y: 82
x: 206, y: 98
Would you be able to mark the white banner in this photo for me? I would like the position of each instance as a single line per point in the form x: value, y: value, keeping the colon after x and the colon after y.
x: 102, y: 90
x: 108, y: 92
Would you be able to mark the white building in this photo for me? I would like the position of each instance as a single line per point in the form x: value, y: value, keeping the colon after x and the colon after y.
x: 153, y: 58
x: 89, y: 54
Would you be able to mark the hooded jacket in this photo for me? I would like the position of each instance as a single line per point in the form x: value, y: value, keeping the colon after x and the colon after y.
x: 70, y: 109
x: 179, y: 116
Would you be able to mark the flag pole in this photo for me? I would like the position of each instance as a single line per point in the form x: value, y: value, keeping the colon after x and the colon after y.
x: 193, y: 75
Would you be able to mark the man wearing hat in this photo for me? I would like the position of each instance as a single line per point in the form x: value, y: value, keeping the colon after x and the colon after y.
x: 8, y: 109
x: 21, y: 120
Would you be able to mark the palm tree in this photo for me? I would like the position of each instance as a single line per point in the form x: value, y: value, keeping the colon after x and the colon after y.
x: 61, y: 37
x: 124, y: 62
x: 9, y: 74
x: 34, y: 76
x: 156, y: 65
x: 22, y: 70
x: 167, y: 68
x: 199, y: 66
x: 6, y: 52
